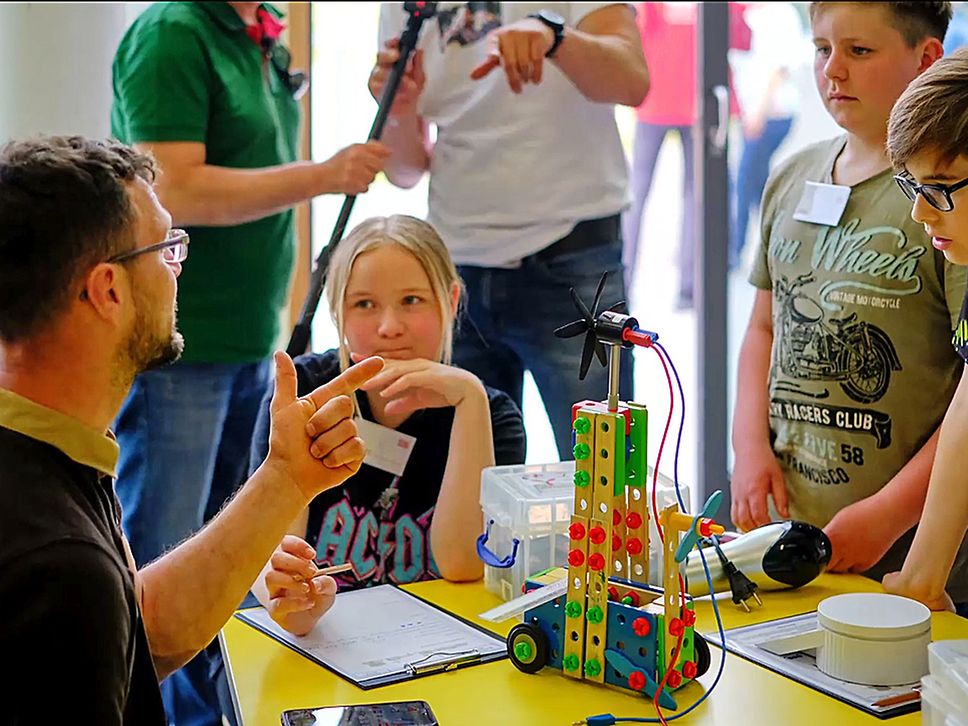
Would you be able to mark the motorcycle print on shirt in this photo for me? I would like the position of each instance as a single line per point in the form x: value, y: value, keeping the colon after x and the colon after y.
x: 817, y: 342
x: 815, y: 347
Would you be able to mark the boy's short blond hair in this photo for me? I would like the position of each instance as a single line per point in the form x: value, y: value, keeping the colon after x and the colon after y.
x: 915, y: 21
x: 932, y: 113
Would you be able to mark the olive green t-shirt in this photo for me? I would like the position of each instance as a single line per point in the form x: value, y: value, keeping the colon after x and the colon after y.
x: 862, y: 366
x: 188, y: 71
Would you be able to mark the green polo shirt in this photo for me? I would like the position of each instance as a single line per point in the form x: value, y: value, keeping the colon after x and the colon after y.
x: 188, y: 71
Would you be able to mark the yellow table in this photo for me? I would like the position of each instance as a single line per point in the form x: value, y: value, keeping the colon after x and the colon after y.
x: 268, y: 678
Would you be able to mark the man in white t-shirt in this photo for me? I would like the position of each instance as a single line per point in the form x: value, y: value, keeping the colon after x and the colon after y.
x: 527, y: 175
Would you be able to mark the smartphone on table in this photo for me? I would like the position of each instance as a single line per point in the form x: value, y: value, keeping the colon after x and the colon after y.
x: 399, y: 713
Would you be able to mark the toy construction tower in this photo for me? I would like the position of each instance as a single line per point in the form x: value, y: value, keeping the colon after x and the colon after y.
x: 608, y: 627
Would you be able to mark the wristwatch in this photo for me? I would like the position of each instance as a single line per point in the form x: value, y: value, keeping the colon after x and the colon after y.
x: 557, y: 24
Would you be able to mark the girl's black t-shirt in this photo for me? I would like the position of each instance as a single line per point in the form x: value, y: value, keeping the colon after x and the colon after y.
x: 377, y: 522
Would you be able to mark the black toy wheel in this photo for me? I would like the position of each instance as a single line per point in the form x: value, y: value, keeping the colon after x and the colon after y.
x: 703, y: 657
x: 528, y: 647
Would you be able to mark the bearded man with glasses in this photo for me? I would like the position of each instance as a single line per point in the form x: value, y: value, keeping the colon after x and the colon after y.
x: 88, y: 275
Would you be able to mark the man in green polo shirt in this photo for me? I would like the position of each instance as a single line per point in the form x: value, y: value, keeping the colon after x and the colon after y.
x: 206, y: 89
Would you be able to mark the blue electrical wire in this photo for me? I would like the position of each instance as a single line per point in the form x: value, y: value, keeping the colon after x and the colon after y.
x: 607, y: 719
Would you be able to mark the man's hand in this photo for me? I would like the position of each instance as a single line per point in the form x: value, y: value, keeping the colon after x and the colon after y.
x: 859, y: 537
x: 411, y: 83
x: 520, y: 47
x: 353, y: 169
x: 916, y: 588
x: 756, y: 476
x: 313, y: 441
x: 297, y: 599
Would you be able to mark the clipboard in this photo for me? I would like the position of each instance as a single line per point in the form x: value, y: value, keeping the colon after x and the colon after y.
x: 747, y: 641
x: 381, y: 635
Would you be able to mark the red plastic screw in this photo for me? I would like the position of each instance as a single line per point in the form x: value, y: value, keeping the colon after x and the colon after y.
x: 596, y: 535
x: 576, y: 558
x: 576, y: 531
x: 634, y: 545
x: 641, y: 626
x: 675, y: 679
x: 634, y: 520
x: 676, y: 627
x: 636, y: 680
x: 689, y: 669
x: 596, y: 562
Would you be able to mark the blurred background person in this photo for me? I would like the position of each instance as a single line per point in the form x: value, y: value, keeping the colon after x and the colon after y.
x: 769, y: 98
x: 668, y: 32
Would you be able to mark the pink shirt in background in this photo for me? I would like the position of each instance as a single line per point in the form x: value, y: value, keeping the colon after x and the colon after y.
x: 668, y: 32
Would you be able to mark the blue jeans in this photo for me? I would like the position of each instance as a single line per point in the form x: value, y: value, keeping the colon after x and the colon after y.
x: 645, y: 152
x: 185, y: 432
x: 509, y: 324
x: 754, y: 170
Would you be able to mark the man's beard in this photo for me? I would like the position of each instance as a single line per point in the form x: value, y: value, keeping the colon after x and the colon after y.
x: 145, y: 348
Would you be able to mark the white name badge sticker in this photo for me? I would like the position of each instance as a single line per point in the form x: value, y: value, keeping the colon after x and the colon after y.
x: 386, y: 448
x: 822, y: 203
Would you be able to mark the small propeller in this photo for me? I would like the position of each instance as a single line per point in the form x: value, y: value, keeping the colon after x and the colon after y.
x: 586, y: 325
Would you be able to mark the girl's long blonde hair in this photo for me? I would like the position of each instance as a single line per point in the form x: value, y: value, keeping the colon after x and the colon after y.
x: 419, y: 239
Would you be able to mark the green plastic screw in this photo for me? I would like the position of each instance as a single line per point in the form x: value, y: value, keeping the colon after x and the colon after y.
x: 595, y: 615
x: 573, y: 609
x: 627, y: 600
x: 570, y: 662
x: 592, y: 668
x: 581, y: 451
x: 582, y: 425
x: 523, y: 651
x: 582, y: 478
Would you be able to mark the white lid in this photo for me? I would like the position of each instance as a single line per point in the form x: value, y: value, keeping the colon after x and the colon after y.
x: 874, y: 616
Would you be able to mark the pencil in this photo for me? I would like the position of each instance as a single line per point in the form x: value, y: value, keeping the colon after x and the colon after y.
x: 897, y: 700
x: 335, y: 569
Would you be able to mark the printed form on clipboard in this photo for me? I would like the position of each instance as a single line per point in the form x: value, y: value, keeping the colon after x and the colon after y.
x: 381, y: 635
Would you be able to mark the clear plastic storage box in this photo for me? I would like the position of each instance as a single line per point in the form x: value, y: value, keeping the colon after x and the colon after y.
x: 533, y: 503
x: 944, y: 691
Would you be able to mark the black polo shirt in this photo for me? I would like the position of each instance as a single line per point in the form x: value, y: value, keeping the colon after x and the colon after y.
x: 71, y: 631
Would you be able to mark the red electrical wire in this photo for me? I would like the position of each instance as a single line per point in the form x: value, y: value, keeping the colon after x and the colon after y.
x: 675, y: 655
x: 665, y: 432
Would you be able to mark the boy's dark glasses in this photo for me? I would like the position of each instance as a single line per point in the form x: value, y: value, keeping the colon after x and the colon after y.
x: 937, y: 195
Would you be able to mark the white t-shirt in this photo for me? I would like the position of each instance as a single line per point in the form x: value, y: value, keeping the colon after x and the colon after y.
x: 509, y: 174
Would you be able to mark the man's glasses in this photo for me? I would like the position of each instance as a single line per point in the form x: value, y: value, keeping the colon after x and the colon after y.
x: 937, y: 195
x: 173, y: 249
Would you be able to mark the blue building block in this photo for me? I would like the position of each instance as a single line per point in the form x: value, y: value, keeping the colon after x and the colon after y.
x: 621, y: 636
x: 550, y: 617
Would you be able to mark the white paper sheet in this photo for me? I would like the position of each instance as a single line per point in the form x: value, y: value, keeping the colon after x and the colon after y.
x: 371, y: 636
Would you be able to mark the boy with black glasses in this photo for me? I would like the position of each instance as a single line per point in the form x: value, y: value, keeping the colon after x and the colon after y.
x: 928, y: 144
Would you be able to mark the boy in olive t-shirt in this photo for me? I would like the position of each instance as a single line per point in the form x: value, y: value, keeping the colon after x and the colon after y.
x: 846, y: 371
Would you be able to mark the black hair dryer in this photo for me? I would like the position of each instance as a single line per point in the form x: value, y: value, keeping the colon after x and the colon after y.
x: 777, y: 556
